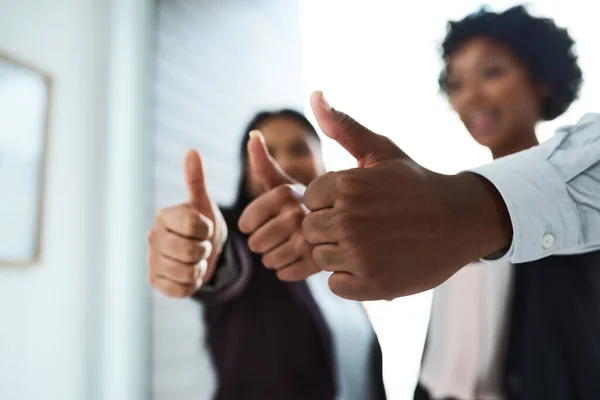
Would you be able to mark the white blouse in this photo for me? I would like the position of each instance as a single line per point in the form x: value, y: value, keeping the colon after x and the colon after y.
x: 467, y: 334
x: 352, y: 339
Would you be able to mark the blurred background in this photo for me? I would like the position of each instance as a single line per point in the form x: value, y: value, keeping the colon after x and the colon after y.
x: 135, y: 83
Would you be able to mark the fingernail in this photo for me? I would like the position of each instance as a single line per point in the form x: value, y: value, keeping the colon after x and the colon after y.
x: 325, y: 102
x: 255, y: 134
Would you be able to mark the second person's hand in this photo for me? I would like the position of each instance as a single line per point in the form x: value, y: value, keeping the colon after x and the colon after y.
x: 186, y: 240
x: 273, y: 221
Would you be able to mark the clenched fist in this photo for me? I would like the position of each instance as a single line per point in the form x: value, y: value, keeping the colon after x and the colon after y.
x: 390, y: 227
x: 273, y: 221
x: 186, y: 240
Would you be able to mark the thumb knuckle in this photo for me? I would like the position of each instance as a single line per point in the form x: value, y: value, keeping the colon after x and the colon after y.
x: 346, y: 121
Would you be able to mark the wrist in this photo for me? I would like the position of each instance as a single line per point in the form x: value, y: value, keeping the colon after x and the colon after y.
x: 488, y: 223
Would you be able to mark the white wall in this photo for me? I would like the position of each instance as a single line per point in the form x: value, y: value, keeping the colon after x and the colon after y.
x: 43, y: 309
x: 51, y: 324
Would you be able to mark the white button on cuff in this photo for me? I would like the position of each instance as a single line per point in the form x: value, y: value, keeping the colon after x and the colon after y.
x: 548, y: 241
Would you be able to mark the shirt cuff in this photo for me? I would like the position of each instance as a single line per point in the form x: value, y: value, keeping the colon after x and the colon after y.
x: 543, y: 215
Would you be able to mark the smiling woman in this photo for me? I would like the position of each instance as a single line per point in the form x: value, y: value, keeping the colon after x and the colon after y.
x: 497, y: 77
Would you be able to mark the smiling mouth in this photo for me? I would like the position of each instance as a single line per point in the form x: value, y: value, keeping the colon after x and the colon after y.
x: 482, y: 121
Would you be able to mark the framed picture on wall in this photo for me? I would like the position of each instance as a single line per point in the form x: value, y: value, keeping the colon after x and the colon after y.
x: 25, y: 94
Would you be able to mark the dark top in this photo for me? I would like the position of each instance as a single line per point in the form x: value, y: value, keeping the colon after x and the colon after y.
x: 268, y: 338
x: 553, y: 348
x: 554, y: 342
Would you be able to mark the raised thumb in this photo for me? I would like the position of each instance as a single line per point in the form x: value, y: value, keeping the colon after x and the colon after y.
x: 194, y: 178
x: 263, y: 167
x: 367, y: 147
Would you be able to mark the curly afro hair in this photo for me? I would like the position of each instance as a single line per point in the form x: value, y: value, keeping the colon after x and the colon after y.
x: 545, y: 49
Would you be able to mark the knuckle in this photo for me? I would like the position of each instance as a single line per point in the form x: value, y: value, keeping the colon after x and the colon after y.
x: 307, y: 226
x: 245, y: 222
x: 191, y: 250
x: 253, y: 244
x: 329, y: 176
x: 205, y: 249
x: 155, y: 236
x: 284, y: 275
x: 190, y: 222
x: 267, y: 261
x: 343, y: 183
x: 348, y: 183
x: 296, y: 272
x: 151, y: 237
x: 387, y: 141
x: 346, y: 121
x: 343, y: 224
x: 299, y: 244
x: 167, y: 213
x: 259, y: 243
x: 294, y: 216
x: 283, y: 193
x: 287, y: 275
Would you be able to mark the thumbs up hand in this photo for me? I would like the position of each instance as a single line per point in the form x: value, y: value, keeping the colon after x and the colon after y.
x: 273, y: 221
x: 186, y: 240
x: 392, y: 228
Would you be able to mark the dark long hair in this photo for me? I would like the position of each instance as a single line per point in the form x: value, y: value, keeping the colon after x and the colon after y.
x: 242, y: 198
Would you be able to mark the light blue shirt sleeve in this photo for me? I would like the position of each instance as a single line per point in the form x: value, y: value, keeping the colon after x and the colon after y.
x: 552, y: 193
